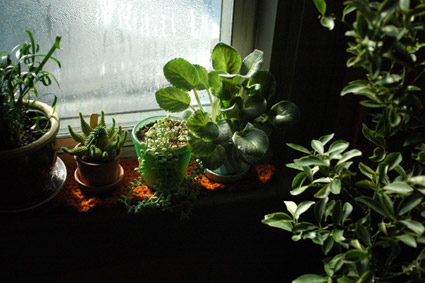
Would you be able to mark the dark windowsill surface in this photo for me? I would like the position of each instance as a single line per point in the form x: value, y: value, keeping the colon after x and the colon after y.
x: 223, y: 241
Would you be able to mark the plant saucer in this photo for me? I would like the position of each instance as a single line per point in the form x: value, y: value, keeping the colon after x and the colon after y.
x: 99, y: 189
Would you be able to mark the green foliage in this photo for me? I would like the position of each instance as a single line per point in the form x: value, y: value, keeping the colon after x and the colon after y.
x: 21, y: 71
x: 368, y: 213
x: 239, y: 93
x: 98, y: 144
x: 161, y: 140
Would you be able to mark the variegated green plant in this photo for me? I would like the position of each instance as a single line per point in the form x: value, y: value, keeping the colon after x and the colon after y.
x: 98, y: 143
x: 368, y: 214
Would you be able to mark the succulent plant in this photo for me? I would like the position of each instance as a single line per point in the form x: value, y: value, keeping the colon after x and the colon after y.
x: 97, y: 143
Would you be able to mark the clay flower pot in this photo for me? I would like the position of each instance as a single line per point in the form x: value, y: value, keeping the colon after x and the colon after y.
x: 98, y: 177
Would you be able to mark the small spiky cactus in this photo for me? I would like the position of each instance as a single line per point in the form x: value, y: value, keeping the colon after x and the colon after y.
x: 98, y: 144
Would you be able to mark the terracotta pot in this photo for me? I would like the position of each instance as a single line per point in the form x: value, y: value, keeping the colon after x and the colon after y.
x: 25, y: 172
x: 98, y: 174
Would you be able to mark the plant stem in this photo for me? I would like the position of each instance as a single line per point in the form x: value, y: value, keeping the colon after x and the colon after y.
x: 197, y: 100
x: 213, y: 110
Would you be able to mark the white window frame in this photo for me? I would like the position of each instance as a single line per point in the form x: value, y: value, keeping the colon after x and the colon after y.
x: 246, y: 25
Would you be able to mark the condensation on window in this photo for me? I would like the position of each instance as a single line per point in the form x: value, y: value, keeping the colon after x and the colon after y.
x: 113, y: 51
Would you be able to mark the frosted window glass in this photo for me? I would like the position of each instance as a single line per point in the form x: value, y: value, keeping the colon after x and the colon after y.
x: 113, y: 51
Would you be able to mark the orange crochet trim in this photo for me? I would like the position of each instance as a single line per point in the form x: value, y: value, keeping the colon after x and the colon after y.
x: 71, y: 195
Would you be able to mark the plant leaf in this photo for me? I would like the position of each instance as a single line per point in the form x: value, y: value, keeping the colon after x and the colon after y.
x: 226, y: 58
x: 199, y: 124
x: 321, y: 6
x: 284, y: 114
x: 203, y: 148
x: 409, y: 203
x: 399, y: 188
x: 181, y: 74
x: 348, y: 155
x: 414, y: 226
x: 354, y: 255
x: 407, y: 239
x: 311, y: 160
x: 252, y: 141
x: 298, y: 148
x: 302, y: 207
x: 317, y: 146
x: 291, y: 207
x: 325, y: 139
x: 335, y: 186
x: 373, y: 204
x: 252, y: 63
x: 254, y: 106
x: 278, y: 220
x: 215, y: 159
x: 203, y: 77
x: 172, y: 99
x: 264, y: 83
x: 225, y: 130
x: 338, y: 147
x: 310, y: 278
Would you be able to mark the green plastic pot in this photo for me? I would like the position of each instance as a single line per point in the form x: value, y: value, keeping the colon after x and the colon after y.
x: 149, y: 173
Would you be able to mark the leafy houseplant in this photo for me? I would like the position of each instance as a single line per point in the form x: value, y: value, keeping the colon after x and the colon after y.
x: 97, y: 153
x: 241, y: 117
x: 28, y: 127
x: 161, y: 144
x: 368, y: 215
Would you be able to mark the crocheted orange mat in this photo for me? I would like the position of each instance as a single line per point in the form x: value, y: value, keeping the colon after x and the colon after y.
x: 72, y: 196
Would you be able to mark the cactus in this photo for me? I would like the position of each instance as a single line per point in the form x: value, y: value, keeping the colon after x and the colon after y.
x: 97, y: 143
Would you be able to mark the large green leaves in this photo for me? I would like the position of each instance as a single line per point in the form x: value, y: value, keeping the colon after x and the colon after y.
x: 264, y: 83
x: 252, y: 63
x: 181, y: 74
x: 284, y: 114
x: 215, y: 159
x: 203, y: 77
x: 226, y: 58
x: 252, y: 142
x: 199, y: 123
x: 254, y: 106
x: 172, y: 99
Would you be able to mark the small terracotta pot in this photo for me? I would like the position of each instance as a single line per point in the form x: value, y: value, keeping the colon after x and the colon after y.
x: 98, y: 174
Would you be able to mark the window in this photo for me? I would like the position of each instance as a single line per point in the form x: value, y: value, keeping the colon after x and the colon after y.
x: 113, y: 51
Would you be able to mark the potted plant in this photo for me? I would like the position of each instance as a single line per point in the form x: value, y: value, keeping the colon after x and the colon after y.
x: 97, y: 154
x: 368, y: 214
x: 236, y: 131
x: 161, y: 145
x: 28, y: 127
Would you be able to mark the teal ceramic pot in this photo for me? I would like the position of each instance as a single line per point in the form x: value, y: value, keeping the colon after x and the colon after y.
x: 230, y: 171
x: 149, y: 173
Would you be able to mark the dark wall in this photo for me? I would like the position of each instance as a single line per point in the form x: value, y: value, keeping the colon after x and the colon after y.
x: 309, y: 63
